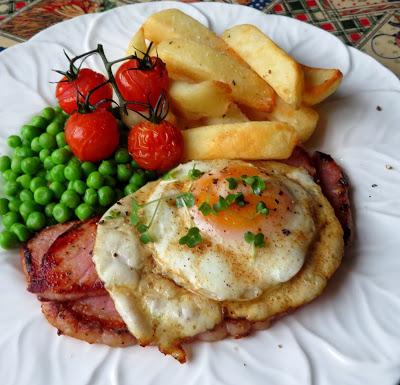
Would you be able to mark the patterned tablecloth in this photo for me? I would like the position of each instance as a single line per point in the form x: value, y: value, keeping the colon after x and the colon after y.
x: 373, y: 26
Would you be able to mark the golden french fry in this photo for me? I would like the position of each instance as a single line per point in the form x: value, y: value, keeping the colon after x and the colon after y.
x: 173, y: 24
x: 304, y: 119
x: 188, y: 59
x: 197, y: 100
x: 248, y: 140
x: 319, y: 84
x: 232, y: 115
x: 273, y: 64
x: 137, y: 45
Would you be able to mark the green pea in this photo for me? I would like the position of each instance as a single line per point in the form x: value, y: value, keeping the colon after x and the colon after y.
x: 31, y: 165
x: 60, y: 139
x: 48, y: 113
x: 47, y: 141
x: 58, y: 109
x: 21, y: 231
x: 90, y: 197
x: 61, y: 213
x: 44, y: 153
x: 5, y: 163
x: 23, y: 151
x: 29, y: 132
x: 35, y: 145
x: 16, y: 164
x: 137, y: 179
x: 110, y: 181
x: 107, y: 168
x: 35, y: 221
x: 14, y: 141
x: 57, y: 173
x: 4, y: 206
x: 27, y: 207
x: 122, y: 155
x: 70, y: 199
x: 48, y: 210
x: 14, y: 204
x: 61, y: 118
x: 72, y: 172
x: 10, y: 218
x: 60, y: 156
x: 106, y: 196
x: 84, y: 211
x: 54, y: 128
x: 124, y: 172
x: 74, y: 162
x: 134, y: 164
x: 43, y: 195
x: 48, y: 163
x: 24, y: 180
x: 88, y: 167
x: 57, y: 188
x: 95, y: 180
x: 11, y: 188
x: 130, y: 188
x: 37, y: 182
x: 9, y: 175
x: 68, y: 148
x: 8, y: 239
x: 26, y: 195
x: 79, y: 186
x: 39, y: 121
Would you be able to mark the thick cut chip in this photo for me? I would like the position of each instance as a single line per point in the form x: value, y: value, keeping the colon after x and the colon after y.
x: 273, y: 64
x: 248, y: 140
x: 232, y: 115
x: 319, y: 84
x: 191, y: 60
x: 137, y: 45
x: 304, y: 119
x: 172, y: 24
x: 197, y: 100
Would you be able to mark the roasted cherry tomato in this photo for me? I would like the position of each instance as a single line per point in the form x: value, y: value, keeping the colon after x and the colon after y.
x: 92, y: 136
x: 86, y: 80
x: 143, y: 81
x: 155, y: 146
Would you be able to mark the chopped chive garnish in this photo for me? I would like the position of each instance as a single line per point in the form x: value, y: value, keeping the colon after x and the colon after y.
x: 192, y: 237
x: 261, y: 208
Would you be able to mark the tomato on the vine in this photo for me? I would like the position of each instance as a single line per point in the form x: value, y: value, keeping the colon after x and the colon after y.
x: 84, y: 81
x: 92, y: 136
x: 155, y: 146
x: 142, y: 81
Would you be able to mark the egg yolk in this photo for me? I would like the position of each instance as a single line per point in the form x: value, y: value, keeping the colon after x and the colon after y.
x: 235, y: 220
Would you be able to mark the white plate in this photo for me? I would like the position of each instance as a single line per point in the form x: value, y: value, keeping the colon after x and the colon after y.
x: 350, y: 335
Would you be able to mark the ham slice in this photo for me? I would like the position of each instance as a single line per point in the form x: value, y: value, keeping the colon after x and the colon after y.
x: 335, y: 186
x: 66, y: 270
x: 58, y: 268
x: 32, y: 253
x: 301, y: 158
x: 93, y: 320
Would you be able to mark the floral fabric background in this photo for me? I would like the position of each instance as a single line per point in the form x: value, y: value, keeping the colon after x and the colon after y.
x: 373, y: 26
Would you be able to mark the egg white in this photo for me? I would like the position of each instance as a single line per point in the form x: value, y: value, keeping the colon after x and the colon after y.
x: 167, y: 292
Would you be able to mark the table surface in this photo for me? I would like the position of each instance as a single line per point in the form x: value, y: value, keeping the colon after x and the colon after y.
x: 373, y: 26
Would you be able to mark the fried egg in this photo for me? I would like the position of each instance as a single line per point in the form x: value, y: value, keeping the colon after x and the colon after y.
x: 168, y: 290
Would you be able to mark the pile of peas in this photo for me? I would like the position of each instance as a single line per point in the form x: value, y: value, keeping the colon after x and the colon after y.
x: 45, y: 184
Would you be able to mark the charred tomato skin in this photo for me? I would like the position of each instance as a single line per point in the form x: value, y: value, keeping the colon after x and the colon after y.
x: 92, y: 136
x: 155, y: 146
x: 86, y: 80
x: 142, y: 84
